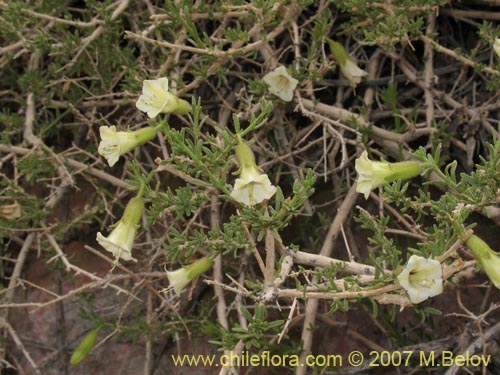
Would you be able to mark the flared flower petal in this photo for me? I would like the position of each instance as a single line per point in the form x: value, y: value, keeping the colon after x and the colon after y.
x: 421, y: 278
x: 120, y: 242
x: 352, y: 72
x: 253, y: 190
x: 347, y: 64
x: 156, y: 99
x: 371, y: 174
x: 178, y: 279
x: 281, y: 83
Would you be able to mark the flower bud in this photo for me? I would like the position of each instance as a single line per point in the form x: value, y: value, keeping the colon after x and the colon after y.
x: 486, y: 257
x: 84, y: 348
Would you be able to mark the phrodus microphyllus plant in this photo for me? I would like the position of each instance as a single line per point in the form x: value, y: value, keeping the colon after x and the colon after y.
x: 486, y: 257
x: 372, y: 174
x: 115, y: 143
x: 253, y: 186
x: 421, y: 278
x: 121, y: 240
x: 156, y: 99
x: 348, y: 65
x: 496, y: 47
x: 181, y: 277
x: 281, y: 83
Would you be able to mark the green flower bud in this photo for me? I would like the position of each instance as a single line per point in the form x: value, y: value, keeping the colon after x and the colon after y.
x: 486, y: 257
x: 84, y: 348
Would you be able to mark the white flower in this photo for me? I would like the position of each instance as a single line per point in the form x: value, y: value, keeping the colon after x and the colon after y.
x: 114, y: 144
x: 421, y: 278
x: 372, y: 174
x: 281, y: 83
x: 121, y: 239
x: 352, y: 72
x: 347, y: 64
x: 180, y: 278
x: 496, y: 46
x: 157, y: 99
x: 253, y: 187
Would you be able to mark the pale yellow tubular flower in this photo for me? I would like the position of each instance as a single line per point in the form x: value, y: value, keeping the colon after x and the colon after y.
x: 116, y: 143
x: 178, y: 279
x: 422, y: 278
x: 253, y: 187
x: 121, y: 240
x: 373, y: 174
x: 352, y: 72
x: 156, y: 99
x: 281, y: 83
x: 181, y: 277
x: 496, y: 47
x: 347, y: 64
